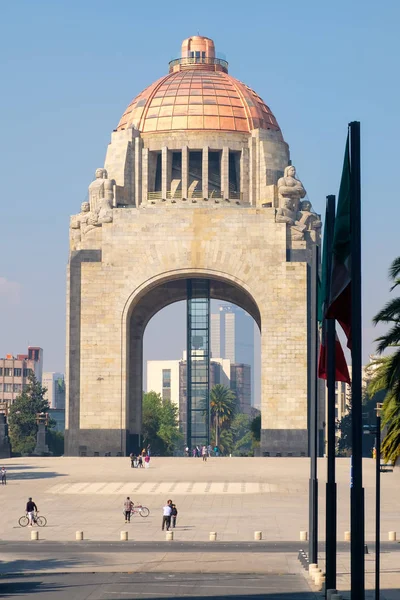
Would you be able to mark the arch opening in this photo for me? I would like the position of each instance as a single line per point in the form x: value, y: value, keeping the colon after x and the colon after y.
x: 143, y: 308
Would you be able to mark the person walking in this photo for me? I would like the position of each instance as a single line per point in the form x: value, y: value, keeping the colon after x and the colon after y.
x: 128, y: 506
x: 3, y: 476
x: 147, y: 461
x: 31, y: 508
x: 132, y: 457
x: 140, y: 461
x: 174, y: 514
x: 166, y: 520
x: 204, y: 453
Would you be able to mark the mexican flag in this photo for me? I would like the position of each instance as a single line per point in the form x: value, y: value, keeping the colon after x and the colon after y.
x: 339, y: 303
x: 341, y: 370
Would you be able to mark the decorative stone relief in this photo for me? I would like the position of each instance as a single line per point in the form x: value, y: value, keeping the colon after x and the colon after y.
x: 99, y: 208
x: 289, y: 187
x: 308, y: 217
x: 286, y: 214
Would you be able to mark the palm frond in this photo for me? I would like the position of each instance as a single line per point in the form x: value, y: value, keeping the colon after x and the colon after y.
x: 394, y: 272
x: 390, y: 312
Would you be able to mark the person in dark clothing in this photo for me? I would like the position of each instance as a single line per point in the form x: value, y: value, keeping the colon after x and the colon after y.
x: 174, y: 514
x: 31, y: 508
x: 128, y: 506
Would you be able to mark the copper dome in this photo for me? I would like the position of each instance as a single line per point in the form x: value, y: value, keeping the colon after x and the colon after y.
x: 198, y: 94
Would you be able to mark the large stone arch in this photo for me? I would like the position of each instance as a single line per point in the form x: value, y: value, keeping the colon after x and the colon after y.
x: 146, y: 302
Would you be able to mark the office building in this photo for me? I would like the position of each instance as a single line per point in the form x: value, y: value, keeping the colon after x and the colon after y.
x: 55, y: 386
x: 15, y: 371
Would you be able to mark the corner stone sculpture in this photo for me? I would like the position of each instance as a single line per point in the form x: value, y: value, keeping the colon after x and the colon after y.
x: 99, y: 208
x: 297, y: 215
x: 289, y: 187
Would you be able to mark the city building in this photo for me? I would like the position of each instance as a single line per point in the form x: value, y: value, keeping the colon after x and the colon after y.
x: 169, y: 379
x: 15, y: 371
x: 55, y: 386
x: 58, y: 415
x: 232, y: 337
x: 197, y: 200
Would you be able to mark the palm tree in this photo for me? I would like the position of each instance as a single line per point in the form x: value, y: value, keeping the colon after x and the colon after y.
x: 223, y: 407
x: 386, y: 374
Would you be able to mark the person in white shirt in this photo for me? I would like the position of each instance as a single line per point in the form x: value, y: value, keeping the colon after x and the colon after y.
x: 166, y: 520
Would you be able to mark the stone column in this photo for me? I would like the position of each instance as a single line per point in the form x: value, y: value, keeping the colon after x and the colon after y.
x: 204, y: 172
x: 166, y: 171
x: 225, y: 171
x: 185, y: 171
x: 244, y: 175
x: 145, y: 174
x: 138, y: 171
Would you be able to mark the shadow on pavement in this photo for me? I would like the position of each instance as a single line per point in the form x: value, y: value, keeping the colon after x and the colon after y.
x: 33, y: 475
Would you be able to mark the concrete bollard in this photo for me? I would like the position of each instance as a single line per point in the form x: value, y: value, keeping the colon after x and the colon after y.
x: 320, y: 580
x: 347, y: 536
x: 316, y: 574
x: 79, y: 536
x: 330, y: 593
x: 312, y: 567
x: 124, y: 536
x: 213, y: 536
x: 34, y: 535
x: 170, y: 536
x: 392, y: 536
x: 258, y: 535
x: 303, y: 536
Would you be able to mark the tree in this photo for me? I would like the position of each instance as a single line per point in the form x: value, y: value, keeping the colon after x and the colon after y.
x: 22, y: 425
x: 160, y: 426
x: 223, y: 408
x: 387, y: 374
x: 241, y: 434
x: 255, y: 427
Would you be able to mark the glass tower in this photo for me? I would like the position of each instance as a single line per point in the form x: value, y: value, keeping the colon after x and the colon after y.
x: 198, y: 362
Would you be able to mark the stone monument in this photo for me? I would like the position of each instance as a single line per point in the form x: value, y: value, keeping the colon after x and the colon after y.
x: 197, y: 184
x: 42, y: 420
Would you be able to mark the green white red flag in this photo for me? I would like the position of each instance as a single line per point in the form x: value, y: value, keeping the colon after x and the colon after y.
x: 341, y: 370
x: 339, y: 303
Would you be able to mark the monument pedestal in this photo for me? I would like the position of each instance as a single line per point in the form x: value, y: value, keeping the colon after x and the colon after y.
x: 41, y: 446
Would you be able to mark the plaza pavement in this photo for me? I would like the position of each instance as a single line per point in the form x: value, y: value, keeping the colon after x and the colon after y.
x: 232, y: 496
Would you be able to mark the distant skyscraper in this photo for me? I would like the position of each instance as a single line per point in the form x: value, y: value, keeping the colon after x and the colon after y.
x: 232, y: 337
x: 54, y: 383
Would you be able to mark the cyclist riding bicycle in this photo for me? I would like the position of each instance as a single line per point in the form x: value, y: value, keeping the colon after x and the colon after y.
x: 31, y: 508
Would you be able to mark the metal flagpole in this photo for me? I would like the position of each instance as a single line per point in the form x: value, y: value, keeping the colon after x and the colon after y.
x: 313, y: 396
x: 378, y: 501
x: 357, y: 516
x: 331, y: 492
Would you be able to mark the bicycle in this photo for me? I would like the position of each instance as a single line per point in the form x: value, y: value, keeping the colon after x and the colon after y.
x: 36, y: 520
x: 143, y: 511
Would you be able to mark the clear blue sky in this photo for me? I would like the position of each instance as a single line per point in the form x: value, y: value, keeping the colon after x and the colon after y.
x: 68, y: 69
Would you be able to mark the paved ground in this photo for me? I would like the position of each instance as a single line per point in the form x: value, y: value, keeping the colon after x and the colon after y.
x: 126, y: 586
x: 233, y: 497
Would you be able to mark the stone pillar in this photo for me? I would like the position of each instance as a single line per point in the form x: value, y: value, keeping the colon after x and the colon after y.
x: 138, y: 171
x: 225, y: 172
x: 166, y: 171
x: 145, y: 174
x: 41, y: 446
x: 244, y: 175
x: 204, y: 172
x: 185, y: 171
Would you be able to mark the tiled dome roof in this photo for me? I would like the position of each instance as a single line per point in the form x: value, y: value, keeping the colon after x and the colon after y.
x: 197, y: 97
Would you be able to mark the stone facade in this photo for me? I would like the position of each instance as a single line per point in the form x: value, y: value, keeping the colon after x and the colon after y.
x: 128, y: 266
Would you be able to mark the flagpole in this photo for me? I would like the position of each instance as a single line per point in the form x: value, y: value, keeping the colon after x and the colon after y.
x: 357, y: 514
x: 313, y: 411
x: 331, y: 491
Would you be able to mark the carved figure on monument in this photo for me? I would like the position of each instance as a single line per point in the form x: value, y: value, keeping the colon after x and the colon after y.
x: 308, y: 217
x: 78, y: 221
x: 290, y: 187
x: 286, y: 214
x: 101, y: 188
x: 105, y: 204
